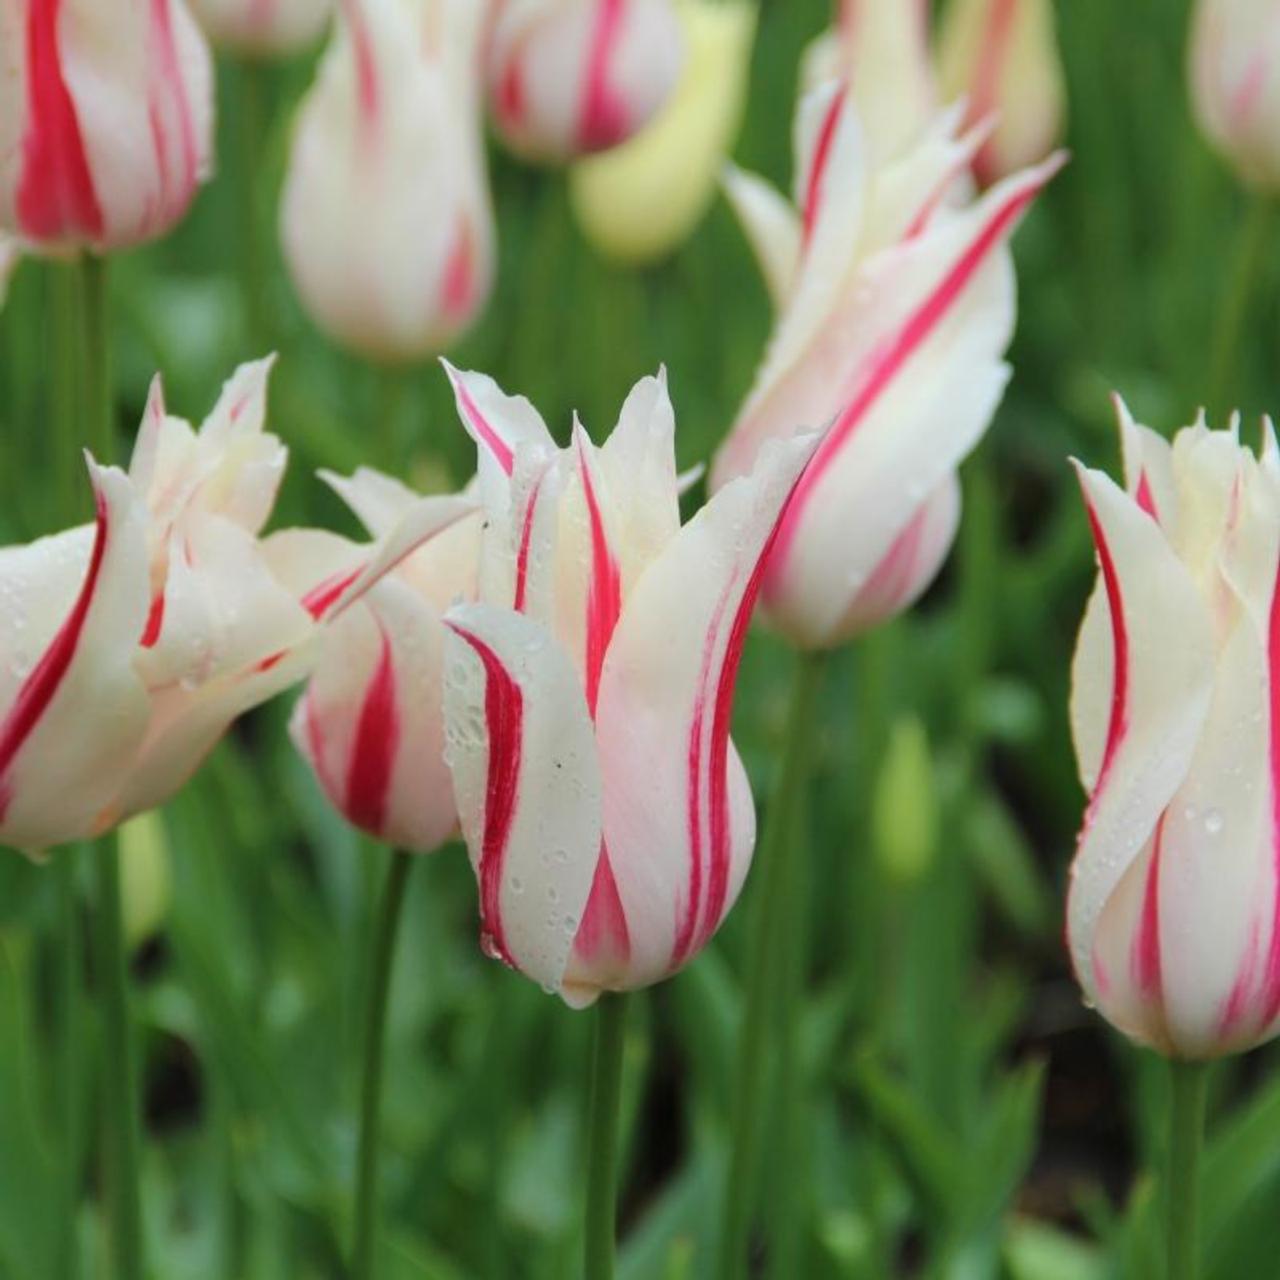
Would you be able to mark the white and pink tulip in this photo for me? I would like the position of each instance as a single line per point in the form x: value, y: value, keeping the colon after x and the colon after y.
x: 264, y: 28
x: 895, y: 305
x: 371, y: 723
x: 588, y: 696
x: 385, y: 217
x: 1002, y: 57
x: 106, y: 118
x: 570, y: 77
x: 1235, y: 88
x: 1173, y: 913
x: 132, y: 643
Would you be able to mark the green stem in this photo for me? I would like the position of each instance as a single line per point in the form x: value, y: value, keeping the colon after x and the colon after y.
x: 384, y: 940
x: 1252, y: 242
x: 117, y: 1068
x: 1186, y: 1137
x: 774, y: 943
x: 69, y: 1049
x: 96, y: 403
x: 602, y: 1137
x: 68, y: 462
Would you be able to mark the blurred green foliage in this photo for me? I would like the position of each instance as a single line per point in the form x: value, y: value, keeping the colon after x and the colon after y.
x: 963, y: 1115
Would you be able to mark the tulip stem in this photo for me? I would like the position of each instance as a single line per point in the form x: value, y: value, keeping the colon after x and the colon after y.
x: 774, y: 941
x: 375, y: 1026
x: 1252, y: 242
x: 120, y: 1108
x: 1186, y: 1137
x: 95, y: 357
x: 69, y: 1050
x: 602, y: 1136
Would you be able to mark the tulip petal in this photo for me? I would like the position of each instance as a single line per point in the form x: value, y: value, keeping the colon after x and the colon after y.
x: 526, y: 779
x: 678, y: 818
x: 500, y: 424
x: 1148, y: 469
x: 371, y: 721
x: 379, y: 501
x: 75, y: 708
x: 772, y: 228
x: 1160, y: 681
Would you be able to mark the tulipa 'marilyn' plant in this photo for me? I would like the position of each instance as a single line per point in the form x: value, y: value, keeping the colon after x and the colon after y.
x: 895, y: 300
x: 1002, y: 57
x: 371, y: 725
x: 385, y: 218
x: 1173, y: 913
x: 643, y: 198
x: 570, y: 77
x: 587, y: 705
x: 264, y: 28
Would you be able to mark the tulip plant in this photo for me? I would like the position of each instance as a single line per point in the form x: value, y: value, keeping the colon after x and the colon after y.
x: 239, y: 708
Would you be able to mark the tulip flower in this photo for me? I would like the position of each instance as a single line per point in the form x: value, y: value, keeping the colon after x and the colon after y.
x: 1173, y: 914
x: 896, y: 304
x: 263, y: 28
x: 570, y: 77
x: 1003, y: 56
x: 881, y: 49
x: 643, y: 199
x: 588, y: 695
x: 371, y: 724
x: 1235, y: 50
x: 385, y: 218
x: 133, y: 643
x: 106, y: 115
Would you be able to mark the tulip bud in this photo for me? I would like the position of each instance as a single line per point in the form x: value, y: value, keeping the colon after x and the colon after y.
x: 370, y: 724
x: 1002, y: 55
x: 897, y: 303
x: 1173, y: 912
x: 1235, y: 92
x: 880, y: 48
x: 570, y: 77
x: 385, y: 218
x: 641, y: 200
x: 106, y: 116
x: 588, y: 697
x: 263, y: 28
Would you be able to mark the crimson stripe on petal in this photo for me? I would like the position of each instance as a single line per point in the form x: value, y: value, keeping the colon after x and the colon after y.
x: 986, y: 88
x: 526, y: 539
x: 816, y: 186
x: 374, y: 747
x: 501, y: 450
x: 56, y: 198
x: 504, y: 722
x: 1146, y: 966
x: 603, y: 935
x: 40, y: 687
x: 1271, y: 978
x: 604, y: 119
x: 1118, y: 721
x: 604, y: 595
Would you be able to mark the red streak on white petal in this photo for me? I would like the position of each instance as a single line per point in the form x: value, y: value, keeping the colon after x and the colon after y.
x: 501, y: 450
x: 1271, y: 975
x: 41, y: 686
x: 603, y: 939
x: 604, y: 594
x: 168, y: 101
x: 604, y: 119
x: 512, y: 99
x: 1146, y: 499
x: 815, y: 188
x: 155, y: 621
x: 1147, y: 969
x: 504, y: 722
x: 56, y: 198
x: 324, y: 595
x: 888, y: 359
x: 367, y: 86
x: 526, y: 540
x: 1238, y: 1002
x: 457, y: 288
x: 373, y: 750
x: 1118, y: 721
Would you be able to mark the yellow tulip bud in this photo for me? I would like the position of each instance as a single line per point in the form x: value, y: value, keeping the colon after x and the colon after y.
x: 904, y: 807
x: 145, y: 882
x: 642, y: 199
